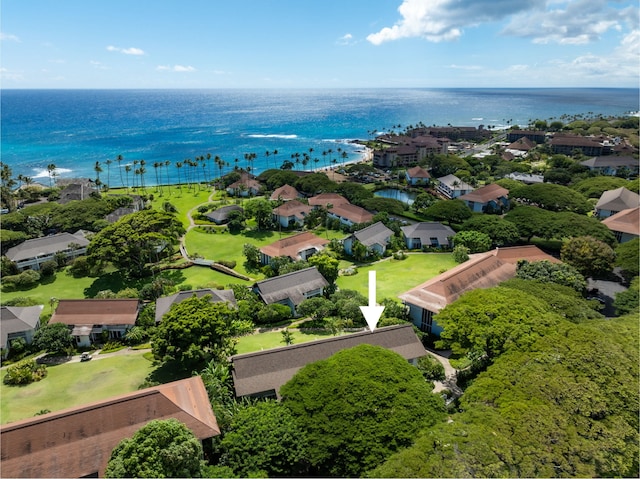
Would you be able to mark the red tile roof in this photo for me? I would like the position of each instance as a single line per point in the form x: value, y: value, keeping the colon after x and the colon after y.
x: 78, y: 441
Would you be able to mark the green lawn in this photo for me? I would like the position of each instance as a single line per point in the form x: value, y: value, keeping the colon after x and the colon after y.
x: 229, y: 247
x: 394, y: 277
x: 73, y: 384
x: 270, y: 340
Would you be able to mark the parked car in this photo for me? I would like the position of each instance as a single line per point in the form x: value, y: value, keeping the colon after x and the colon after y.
x: 85, y: 357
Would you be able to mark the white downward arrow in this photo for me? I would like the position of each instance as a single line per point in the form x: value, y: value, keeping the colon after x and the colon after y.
x: 372, y: 312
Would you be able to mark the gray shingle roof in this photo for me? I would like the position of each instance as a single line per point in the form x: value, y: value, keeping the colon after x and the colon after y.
x: 618, y: 200
x: 377, y: 233
x: 217, y: 295
x: 15, y: 319
x: 221, y: 214
x: 292, y: 286
x: 46, y: 245
x: 266, y: 371
x: 427, y: 230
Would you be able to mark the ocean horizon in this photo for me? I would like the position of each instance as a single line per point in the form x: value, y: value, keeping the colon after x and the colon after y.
x: 74, y: 129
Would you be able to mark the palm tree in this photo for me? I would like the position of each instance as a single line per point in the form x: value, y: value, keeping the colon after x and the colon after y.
x: 127, y: 169
x: 266, y: 154
x: 108, y: 162
x: 51, y: 169
x: 98, y: 169
x: 157, y: 165
x: 119, y: 160
x: 209, y: 166
x: 143, y: 170
x: 178, y: 166
x: 344, y: 156
x: 136, y: 172
x: 166, y: 170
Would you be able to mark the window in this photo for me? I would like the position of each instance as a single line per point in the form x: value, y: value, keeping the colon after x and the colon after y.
x: 434, y: 242
x: 427, y: 321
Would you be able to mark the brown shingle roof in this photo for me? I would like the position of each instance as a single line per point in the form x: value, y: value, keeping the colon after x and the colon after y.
x: 323, y: 199
x: 522, y: 144
x: 96, y: 311
x: 293, y: 245
x: 266, y: 371
x: 353, y: 213
x: 626, y: 221
x: 285, y: 192
x: 483, y: 270
x: 485, y: 194
x: 418, y: 172
x: 293, y: 208
x: 78, y: 441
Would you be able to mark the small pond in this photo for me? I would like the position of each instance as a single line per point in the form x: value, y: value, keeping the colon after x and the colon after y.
x: 404, y: 196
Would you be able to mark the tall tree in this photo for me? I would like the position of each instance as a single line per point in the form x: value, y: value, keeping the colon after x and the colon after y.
x: 358, y: 407
x: 161, y: 448
x: 264, y: 439
x: 593, y: 258
x: 194, y: 332
x: 135, y: 240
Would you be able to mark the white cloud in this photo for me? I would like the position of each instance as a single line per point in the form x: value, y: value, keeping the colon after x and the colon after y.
x: 9, y: 37
x: 346, y: 39
x: 126, y: 51
x: 441, y: 20
x: 543, y: 21
x: 574, y: 22
x: 98, y: 65
x: 6, y: 74
x: 175, y: 68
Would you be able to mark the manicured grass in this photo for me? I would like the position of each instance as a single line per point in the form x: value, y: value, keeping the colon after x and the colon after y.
x: 68, y: 385
x: 229, y: 246
x: 270, y: 340
x: 394, y: 277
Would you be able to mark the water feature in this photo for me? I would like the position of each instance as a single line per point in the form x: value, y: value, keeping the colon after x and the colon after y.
x: 405, y: 196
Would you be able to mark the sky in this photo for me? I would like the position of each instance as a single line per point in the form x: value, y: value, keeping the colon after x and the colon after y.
x: 319, y: 43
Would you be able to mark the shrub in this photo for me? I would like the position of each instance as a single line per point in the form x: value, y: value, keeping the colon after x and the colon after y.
x: 48, y: 268
x: 23, y: 280
x: 273, y: 313
x: 431, y: 368
x: 460, y: 254
x: 25, y: 372
x: 80, y: 267
x: 228, y: 263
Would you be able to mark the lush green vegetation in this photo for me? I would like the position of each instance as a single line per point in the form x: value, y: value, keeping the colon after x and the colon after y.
x: 358, y: 407
x: 397, y: 276
x: 69, y: 385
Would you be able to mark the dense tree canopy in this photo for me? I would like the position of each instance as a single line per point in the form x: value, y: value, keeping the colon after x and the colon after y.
x: 134, y: 241
x: 628, y: 258
x: 475, y: 241
x: 261, y: 210
x: 594, y: 187
x: 53, y: 338
x: 264, y: 439
x: 565, y: 407
x: 547, y: 272
x: 552, y: 197
x: 451, y: 211
x: 501, y: 232
x: 488, y: 322
x: 591, y: 257
x: 194, y: 331
x: 161, y: 448
x: 358, y: 407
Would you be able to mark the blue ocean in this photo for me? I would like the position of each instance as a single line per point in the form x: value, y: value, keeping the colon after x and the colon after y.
x: 74, y: 129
